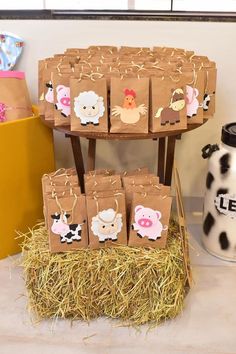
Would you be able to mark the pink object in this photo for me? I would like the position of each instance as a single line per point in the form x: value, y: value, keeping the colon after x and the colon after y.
x: 63, y: 100
x: 68, y: 233
x: 12, y: 74
x: 2, y: 112
x: 49, y: 95
x: 192, y: 103
x: 147, y: 223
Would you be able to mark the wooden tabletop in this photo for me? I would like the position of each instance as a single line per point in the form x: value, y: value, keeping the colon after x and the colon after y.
x: 118, y: 136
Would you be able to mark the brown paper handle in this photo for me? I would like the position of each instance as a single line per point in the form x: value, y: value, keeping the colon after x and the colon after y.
x: 68, y: 210
x: 116, y: 211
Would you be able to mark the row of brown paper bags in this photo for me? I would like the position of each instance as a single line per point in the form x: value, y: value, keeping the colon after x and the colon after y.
x: 134, y: 105
x: 100, y: 218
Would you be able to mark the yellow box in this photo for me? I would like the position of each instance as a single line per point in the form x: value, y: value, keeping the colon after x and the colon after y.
x: 26, y: 153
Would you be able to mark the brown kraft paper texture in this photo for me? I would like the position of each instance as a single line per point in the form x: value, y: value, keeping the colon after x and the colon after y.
x: 149, y: 220
x: 129, y: 105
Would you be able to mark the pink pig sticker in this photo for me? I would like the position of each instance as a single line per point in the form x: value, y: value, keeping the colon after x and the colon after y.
x: 147, y: 223
x: 63, y: 100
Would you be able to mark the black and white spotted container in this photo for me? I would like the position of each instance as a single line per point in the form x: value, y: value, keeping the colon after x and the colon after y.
x: 219, y: 216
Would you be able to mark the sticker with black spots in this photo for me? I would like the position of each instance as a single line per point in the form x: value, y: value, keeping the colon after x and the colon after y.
x: 210, y: 178
x: 224, y: 163
x: 224, y: 242
x: 222, y: 191
x: 208, y: 223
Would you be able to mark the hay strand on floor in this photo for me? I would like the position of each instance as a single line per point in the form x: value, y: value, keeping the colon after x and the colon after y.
x: 136, y: 285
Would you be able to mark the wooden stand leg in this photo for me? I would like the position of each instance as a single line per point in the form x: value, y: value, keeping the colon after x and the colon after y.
x: 169, y: 159
x: 161, y: 159
x: 78, y: 158
x: 91, y: 155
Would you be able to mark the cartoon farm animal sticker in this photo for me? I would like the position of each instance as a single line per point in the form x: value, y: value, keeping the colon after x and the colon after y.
x: 129, y: 112
x: 192, y: 103
x: 49, y: 95
x: 106, y: 225
x: 89, y: 107
x: 147, y: 223
x: 68, y: 232
x: 171, y: 114
x: 63, y: 100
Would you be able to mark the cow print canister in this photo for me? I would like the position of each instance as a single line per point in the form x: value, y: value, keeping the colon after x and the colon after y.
x: 219, y: 217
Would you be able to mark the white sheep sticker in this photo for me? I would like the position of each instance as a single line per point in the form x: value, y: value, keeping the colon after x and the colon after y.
x: 89, y: 107
x: 106, y: 225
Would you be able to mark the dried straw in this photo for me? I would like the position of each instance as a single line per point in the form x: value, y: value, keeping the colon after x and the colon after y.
x: 136, y: 285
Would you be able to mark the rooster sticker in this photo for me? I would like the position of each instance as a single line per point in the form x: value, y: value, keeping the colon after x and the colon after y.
x: 129, y: 113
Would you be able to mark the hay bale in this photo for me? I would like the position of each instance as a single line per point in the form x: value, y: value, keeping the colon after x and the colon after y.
x: 135, y: 285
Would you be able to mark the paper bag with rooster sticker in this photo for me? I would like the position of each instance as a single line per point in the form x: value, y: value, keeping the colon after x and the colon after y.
x: 168, y: 103
x: 106, y: 219
x: 129, y: 105
x: 149, y: 221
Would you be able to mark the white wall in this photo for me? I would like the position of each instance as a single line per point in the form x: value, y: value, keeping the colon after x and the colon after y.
x: 216, y: 40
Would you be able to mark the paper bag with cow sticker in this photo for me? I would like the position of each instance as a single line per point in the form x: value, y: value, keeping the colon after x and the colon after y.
x: 129, y: 105
x: 168, y: 105
x: 89, y: 105
x: 67, y: 223
x: 209, y: 90
x: 149, y: 220
x: 106, y: 220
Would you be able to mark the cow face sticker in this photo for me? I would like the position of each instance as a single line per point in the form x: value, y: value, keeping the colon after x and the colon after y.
x: 89, y: 107
x: 49, y: 95
x: 147, y: 223
x: 171, y: 114
x: 63, y: 100
x: 106, y: 225
x: 68, y: 232
x: 129, y: 112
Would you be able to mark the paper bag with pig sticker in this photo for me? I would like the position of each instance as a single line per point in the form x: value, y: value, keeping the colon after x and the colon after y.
x: 106, y: 220
x: 67, y: 225
x: 89, y: 105
x: 129, y: 105
x: 194, y: 98
x: 149, y: 220
x: 61, y: 92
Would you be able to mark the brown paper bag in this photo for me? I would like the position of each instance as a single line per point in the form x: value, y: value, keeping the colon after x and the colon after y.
x: 158, y: 189
x: 194, y: 97
x: 137, y: 171
x: 100, y: 172
x: 129, y: 105
x: 102, y: 183
x: 106, y: 220
x: 14, y: 96
x: 209, y: 92
x: 149, y: 179
x: 61, y: 92
x: 67, y: 223
x: 89, y: 105
x: 168, y: 108
x: 149, y: 220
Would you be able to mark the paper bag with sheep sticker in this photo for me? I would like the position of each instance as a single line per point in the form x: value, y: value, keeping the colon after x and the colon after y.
x: 106, y: 220
x: 149, y: 221
x: 67, y: 226
x: 129, y: 105
x: 89, y: 105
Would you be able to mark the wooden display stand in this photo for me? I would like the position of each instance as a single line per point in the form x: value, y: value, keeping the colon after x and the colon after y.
x: 165, y: 141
